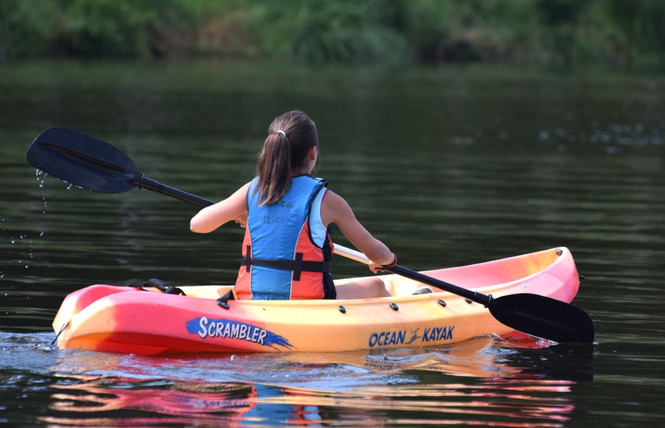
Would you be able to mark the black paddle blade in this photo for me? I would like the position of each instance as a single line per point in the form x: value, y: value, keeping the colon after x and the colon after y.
x: 543, y: 317
x: 83, y: 161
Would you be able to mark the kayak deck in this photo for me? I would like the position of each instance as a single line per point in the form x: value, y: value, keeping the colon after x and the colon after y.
x: 131, y: 320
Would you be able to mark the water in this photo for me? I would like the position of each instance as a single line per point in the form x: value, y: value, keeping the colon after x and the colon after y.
x: 447, y: 166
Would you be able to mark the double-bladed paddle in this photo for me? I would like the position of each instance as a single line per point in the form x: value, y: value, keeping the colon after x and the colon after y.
x: 92, y: 164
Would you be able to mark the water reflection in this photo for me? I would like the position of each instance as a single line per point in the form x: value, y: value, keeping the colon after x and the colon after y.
x: 92, y: 400
x: 501, y: 387
x: 88, y: 400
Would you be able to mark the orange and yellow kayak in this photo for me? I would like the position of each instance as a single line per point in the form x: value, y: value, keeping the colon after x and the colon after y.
x: 148, y: 321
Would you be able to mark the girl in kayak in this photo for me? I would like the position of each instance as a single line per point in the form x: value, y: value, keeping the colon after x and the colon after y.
x: 287, y: 250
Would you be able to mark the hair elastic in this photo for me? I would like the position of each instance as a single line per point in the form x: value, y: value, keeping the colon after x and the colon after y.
x: 281, y: 132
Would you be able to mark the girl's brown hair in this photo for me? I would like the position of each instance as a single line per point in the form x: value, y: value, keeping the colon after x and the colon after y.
x: 290, y: 138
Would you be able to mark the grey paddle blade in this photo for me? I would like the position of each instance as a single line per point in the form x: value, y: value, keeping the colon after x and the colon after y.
x: 83, y: 161
x: 543, y: 317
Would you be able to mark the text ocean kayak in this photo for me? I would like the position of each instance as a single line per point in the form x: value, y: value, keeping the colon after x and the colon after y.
x: 131, y: 320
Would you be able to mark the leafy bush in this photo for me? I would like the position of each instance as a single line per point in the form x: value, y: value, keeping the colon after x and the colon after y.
x: 553, y: 32
x: 26, y: 26
x: 345, y: 31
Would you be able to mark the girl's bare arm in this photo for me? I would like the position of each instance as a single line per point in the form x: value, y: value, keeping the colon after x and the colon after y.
x: 232, y: 208
x: 336, y: 210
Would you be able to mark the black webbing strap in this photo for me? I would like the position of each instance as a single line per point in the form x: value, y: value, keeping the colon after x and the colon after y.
x: 163, y: 286
x: 249, y: 256
x: 297, y: 266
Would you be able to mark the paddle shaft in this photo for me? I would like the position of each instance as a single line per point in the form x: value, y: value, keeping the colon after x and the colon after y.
x: 417, y: 276
x: 155, y: 186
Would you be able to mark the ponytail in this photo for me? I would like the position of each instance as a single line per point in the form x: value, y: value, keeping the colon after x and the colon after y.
x: 290, y: 137
x: 274, y: 169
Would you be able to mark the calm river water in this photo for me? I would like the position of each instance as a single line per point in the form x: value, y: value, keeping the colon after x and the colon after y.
x: 448, y: 166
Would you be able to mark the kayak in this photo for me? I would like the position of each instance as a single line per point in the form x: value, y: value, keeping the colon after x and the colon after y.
x: 529, y: 294
x: 148, y: 321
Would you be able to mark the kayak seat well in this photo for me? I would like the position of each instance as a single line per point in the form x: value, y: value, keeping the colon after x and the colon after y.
x: 497, y: 272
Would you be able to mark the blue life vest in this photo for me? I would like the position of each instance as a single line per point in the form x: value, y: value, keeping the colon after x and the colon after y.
x: 287, y: 250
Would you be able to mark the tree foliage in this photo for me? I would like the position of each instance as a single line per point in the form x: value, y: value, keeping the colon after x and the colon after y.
x: 555, y: 32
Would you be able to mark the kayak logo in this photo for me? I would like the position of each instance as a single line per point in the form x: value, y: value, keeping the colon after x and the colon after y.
x: 438, y: 333
x: 394, y: 337
x: 230, y: 329
x: 398, y: 337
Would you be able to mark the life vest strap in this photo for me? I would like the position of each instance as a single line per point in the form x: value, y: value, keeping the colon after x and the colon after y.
x: 297, y: 266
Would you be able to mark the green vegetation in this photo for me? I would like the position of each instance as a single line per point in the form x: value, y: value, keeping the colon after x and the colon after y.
x: 625, y: 33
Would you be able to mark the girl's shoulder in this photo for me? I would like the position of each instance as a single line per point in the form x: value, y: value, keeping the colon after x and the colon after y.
x: 334, y: 204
